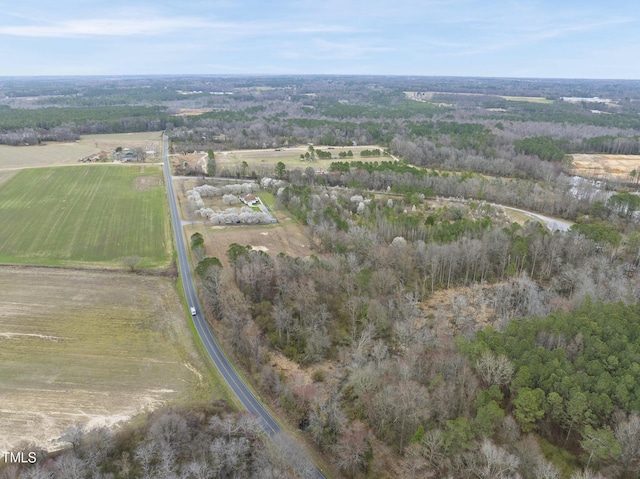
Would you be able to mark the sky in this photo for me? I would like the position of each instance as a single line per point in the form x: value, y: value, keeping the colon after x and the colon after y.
x: 489, y: 38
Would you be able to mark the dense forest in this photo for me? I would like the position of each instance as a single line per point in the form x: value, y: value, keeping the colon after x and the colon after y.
x: 429, y: 335
x: 426, y: 379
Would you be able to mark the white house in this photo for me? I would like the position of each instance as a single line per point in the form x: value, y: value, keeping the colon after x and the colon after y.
x: 249, y: 199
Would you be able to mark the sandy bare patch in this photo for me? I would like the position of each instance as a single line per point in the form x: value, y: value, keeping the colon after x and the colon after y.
x: 193, y: 111
x: 106, y: 421
x: 38, y: 336
x: 193, y: 370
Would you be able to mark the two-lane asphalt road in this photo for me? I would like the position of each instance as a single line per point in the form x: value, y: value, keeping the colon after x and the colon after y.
x: 235, y: 382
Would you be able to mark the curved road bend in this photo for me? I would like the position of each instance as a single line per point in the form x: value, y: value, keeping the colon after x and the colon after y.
x: 553, y: 224
x: 210, y: 342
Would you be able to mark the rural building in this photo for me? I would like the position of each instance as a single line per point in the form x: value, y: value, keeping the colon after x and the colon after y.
x: 249, y: 199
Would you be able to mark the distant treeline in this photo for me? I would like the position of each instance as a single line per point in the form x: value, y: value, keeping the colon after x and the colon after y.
x: 116, y: 119
x: 447, y: 129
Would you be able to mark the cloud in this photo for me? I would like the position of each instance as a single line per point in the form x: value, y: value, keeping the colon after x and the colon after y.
x: 137, y: 24
x: 122, y: 27
x: 409, y: 36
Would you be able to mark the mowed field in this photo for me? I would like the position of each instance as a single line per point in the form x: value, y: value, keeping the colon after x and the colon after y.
x: 288, y: 238
x: 89, y: 347
x: 56, y: 154
x: 86, y: 214
x: 291, y: 157
x: 148, y: 140
x: 428, y: 95
x: 605, y: 166
x: 530, y: 99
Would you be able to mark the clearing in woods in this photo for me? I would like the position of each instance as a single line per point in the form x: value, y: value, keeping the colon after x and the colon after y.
x: 267, y: 158
x: 91, y: 213
x: 287, y: 238
x: 262, y: 162
x: 90, y: 347
x: 606, y: 166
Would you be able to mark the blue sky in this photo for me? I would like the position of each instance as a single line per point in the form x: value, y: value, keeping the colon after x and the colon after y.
x: 503, y: 38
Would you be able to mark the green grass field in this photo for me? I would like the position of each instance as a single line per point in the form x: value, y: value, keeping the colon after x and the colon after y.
x: 530, y: 99
x: 84, y: 214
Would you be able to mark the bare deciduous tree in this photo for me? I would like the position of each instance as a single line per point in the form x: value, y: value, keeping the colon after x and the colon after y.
x: 496, y: 463
x: 494, y: 369
x: 352, y: 447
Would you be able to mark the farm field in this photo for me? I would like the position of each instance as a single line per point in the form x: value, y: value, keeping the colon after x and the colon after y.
x: 54, y: 154
x: 87, y: 214
x: 57, y: 154
x: 428, y: 96
x: 530, y: 99
x: 6, y: 175
x: 605, y: 166
x: 150, y: 140
x: 90, y: 347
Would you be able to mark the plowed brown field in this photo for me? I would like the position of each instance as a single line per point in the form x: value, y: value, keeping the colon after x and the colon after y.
x: 90, y: 347
x: 606, y: 166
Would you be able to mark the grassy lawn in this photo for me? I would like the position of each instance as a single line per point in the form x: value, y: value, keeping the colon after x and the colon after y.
x: 85, y: 214
x: 267, y: 199
x: 283, y: 237
x: 517, y: 216
x: 266, y: 159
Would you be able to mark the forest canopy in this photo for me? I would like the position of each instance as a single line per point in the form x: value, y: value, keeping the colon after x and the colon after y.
x: 592, y: 353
